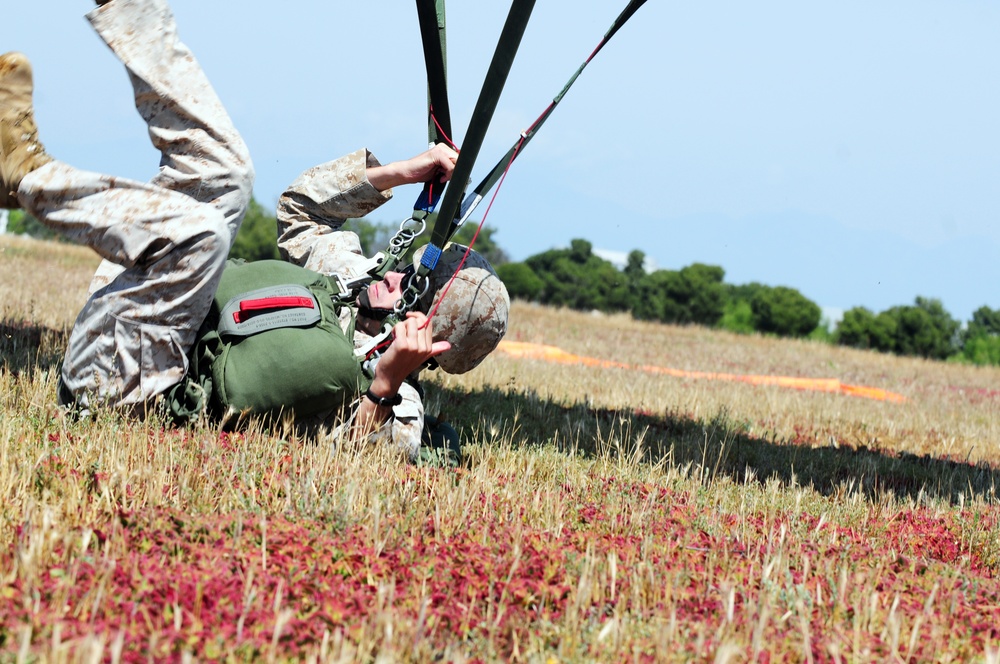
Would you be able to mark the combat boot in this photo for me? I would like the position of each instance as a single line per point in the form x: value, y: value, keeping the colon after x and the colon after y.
x: 20, y: 150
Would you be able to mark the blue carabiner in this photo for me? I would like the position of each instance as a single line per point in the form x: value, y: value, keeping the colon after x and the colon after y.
x: 429, y: 197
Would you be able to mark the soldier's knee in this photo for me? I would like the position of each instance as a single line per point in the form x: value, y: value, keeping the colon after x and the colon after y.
x: 213, y: 239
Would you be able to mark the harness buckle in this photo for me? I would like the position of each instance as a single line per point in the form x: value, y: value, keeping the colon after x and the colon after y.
x: 346, y: 289
x: 368, y: 348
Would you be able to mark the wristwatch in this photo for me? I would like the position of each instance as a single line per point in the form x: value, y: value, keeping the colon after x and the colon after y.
x: 385, y: 402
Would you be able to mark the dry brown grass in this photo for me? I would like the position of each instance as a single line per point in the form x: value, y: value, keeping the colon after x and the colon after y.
x: 952, y: 410
x: 44, y: 282
x: 600, y: 515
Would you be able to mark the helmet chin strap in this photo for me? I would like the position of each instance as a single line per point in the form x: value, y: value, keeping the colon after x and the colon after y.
x: 368, y: 311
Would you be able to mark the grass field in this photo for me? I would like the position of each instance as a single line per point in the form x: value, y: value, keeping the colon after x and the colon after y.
x: 611, y: 514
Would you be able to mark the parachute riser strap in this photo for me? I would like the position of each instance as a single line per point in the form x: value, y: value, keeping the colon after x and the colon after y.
x: 489, y: 96
x: 431, y: 15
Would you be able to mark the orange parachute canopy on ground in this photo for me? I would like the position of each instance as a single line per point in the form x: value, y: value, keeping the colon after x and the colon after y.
x: 559, y: 356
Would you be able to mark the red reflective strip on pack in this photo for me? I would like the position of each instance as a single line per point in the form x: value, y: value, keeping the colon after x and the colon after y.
x: 271, y: 303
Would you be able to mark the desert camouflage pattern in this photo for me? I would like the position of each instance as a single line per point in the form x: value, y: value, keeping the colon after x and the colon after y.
x: 470, y: 312
x: 311, y: 214
x: 165, y: 242
x: 312, y: 211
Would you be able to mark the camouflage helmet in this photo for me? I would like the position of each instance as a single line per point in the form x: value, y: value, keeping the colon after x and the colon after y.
x: 473, y: 314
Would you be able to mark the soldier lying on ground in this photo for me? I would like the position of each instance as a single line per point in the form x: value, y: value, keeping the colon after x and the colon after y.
x: 165, y: 242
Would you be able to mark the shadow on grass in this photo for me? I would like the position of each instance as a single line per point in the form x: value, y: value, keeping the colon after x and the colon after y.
x: 714, y: 448
x: 26, y: 347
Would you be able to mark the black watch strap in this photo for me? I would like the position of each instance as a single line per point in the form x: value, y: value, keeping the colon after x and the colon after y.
x: 386, y: 402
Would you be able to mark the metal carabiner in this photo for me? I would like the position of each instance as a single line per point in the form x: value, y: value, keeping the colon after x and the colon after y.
x: 415, y: 291
x: 408, y: 231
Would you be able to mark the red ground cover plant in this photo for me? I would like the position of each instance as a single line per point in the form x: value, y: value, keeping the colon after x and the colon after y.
x: 165, y: 581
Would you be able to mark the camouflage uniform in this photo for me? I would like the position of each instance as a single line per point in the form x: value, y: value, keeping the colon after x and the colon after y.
x: 165, y: 242
x: 311, y: 213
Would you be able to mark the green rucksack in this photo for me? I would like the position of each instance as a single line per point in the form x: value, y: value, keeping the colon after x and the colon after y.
x: 270, y: 345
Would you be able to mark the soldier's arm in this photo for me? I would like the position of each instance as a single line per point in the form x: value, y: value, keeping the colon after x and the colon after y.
x: 412, y: 345
x: 312, y: 212
x: 437, y: 162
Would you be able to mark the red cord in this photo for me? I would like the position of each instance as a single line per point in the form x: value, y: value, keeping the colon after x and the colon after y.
x: 476, y: 234
x: 388, y: 340
x: 447, y: 139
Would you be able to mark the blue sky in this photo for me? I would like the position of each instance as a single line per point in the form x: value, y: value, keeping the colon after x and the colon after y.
x: 848, y: 149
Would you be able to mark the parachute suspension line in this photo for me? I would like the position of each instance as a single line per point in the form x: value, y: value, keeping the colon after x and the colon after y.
x: 452, y: 215
x: 428, y: 194
x: 491, y: 179
x: 431, y: 17
x: 496, y: 76
x: 445, y: 138
x: 499, y: 172
x: 432, y: 26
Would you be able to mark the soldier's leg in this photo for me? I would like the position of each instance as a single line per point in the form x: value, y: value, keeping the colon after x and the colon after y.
x: 202, y: 153
x: 131, y: 223
x: 131, y: 340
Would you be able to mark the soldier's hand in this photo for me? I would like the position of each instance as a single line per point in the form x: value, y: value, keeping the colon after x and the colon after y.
x: 412, y: 345
x: 436, y: 164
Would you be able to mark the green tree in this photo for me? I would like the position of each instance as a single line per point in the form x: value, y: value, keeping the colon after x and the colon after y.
x: 702, y: 294
x: 521, y: 280
x: 925, y: 329
x: 579, y: 279
x: 982, y: 350
x: 737, y: 316
x: 981, y: 338
x: 649, y: 297
x: 257, y: 238
x: 987, y: 319
x: 985, y: 322
x: 692, y: 295
x: 784, y: 311
x: 20, y: 222
x: 635, y: 267
x: 861, y: 328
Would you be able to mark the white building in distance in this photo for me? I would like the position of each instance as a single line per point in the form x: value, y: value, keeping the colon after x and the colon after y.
x: 620, y: 259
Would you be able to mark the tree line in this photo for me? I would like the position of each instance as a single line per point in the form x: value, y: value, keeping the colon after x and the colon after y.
x: 577, y: 278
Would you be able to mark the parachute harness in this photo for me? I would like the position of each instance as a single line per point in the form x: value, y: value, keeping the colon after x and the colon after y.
x: 452, y: 214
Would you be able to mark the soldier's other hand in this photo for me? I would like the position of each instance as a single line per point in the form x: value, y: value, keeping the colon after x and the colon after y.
x: 412, y: 345
x: 436, y: 164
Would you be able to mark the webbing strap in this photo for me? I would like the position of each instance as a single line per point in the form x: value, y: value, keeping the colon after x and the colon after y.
x: 494, y: 176
x: 431, y: 16
x: 489, y: 96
